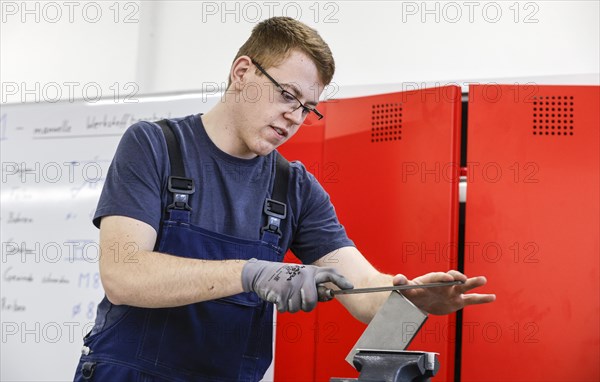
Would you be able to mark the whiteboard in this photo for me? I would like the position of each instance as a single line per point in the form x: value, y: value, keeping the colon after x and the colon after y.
x: 54, y: 160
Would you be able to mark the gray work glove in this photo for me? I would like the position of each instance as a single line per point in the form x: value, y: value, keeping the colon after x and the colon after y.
x: 290, y: 286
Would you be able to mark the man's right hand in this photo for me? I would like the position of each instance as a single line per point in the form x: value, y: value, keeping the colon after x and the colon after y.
x: 290, y: 286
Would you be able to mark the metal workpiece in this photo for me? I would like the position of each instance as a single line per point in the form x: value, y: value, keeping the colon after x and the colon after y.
x: 393, y: 327
x: 380, y: 355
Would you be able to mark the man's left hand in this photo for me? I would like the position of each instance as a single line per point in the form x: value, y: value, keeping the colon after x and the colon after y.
x: 447, y: 299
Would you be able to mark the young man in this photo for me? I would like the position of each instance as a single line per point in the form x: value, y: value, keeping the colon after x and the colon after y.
x: 194, y: 300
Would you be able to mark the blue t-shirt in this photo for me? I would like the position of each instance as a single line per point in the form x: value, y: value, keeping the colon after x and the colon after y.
x: 230, y: 192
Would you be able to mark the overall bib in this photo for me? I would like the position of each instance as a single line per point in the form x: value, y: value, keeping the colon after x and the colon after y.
x: 228, y: 339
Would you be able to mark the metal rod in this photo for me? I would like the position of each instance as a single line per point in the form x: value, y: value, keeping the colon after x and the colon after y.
x: 396, y: 287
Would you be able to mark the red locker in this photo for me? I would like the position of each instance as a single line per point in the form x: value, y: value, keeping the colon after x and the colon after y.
x: 391, y: 166
x: 295, y: 333
x: 532, y: 227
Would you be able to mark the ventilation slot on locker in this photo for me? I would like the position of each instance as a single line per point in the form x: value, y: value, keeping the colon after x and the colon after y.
x: 553, y: 115
x: 386, y: 122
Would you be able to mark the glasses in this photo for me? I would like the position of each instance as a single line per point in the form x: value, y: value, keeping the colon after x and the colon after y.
x: 310, y: 115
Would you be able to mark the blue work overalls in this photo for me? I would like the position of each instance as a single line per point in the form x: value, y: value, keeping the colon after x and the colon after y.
x: 229, y: 339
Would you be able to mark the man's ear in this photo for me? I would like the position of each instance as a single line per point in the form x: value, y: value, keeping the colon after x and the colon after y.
x: 239, y: 71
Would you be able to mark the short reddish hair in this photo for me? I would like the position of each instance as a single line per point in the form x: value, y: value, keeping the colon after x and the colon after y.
x: 272, y: 41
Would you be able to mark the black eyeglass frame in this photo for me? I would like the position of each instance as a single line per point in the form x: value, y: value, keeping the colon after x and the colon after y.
x: 301, y: 105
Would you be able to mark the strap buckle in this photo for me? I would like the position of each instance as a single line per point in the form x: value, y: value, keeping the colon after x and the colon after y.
x: 275, y: 211
x: 181, y: 189
x: 180, y: 185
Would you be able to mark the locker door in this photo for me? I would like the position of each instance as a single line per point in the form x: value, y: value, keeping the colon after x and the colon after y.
x: 295, y: 333
x: 532, y: 227
x: 391, y: 166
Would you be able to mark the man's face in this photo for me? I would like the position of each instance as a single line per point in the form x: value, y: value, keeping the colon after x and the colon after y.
x: 266, y: 116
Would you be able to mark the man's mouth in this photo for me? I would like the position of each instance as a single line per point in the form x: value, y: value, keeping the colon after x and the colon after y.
x: 281, y: 132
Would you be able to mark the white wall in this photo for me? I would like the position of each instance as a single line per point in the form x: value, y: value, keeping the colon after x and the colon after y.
x: 40, y: 48
x: 178, y: 46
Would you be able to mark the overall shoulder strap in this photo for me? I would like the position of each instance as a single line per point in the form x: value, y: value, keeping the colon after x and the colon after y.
x: 282, y: 177
x: 275, y: 207
x: 177, y: 168
x: 180, y: 185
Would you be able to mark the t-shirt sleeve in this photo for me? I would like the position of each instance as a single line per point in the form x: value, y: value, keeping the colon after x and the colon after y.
x: 134, y: 180
x: 319, y: 230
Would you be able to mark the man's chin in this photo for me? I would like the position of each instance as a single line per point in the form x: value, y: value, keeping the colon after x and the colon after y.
x: 264, y: 153
x: 265, y: 150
